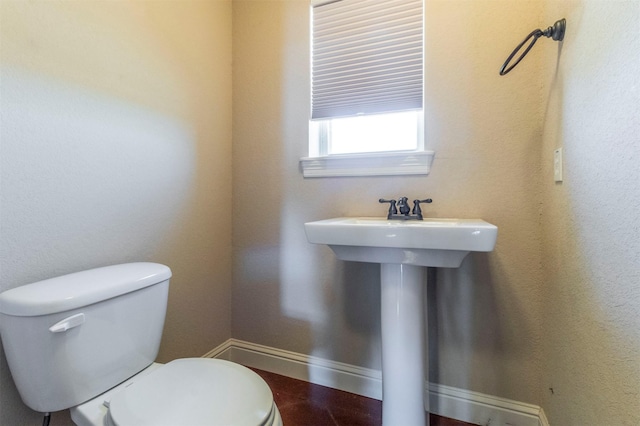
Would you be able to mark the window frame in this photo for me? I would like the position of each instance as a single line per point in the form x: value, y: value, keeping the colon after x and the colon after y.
x: 320, y: 163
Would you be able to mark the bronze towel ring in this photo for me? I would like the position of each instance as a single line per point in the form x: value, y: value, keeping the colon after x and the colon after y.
x: 556, y: 33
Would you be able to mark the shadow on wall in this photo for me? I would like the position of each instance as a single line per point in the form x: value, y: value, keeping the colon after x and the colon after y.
x: 351, y: 330
x: 278, y: 296
x: 466, y: 326
x: 360, y: 285
x: 85, y: 179
x: 360, y: 294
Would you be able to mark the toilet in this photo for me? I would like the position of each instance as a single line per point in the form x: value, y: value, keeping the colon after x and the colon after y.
x: 88, y: 341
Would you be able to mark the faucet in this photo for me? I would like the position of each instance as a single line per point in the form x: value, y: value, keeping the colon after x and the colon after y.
x: 402, y: 205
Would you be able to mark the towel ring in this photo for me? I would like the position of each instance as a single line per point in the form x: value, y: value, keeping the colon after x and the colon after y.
x: 556, y: 33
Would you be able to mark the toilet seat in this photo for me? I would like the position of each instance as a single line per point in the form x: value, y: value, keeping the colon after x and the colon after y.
x: 194, y: 391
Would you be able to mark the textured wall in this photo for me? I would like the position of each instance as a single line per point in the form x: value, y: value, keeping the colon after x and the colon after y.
x: 590, y: 221
x: 116, y: 147
x: 485, y: 332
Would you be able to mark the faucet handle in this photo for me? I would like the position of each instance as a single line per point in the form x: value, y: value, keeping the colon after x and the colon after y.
x: 416, y: 206
x: 392, y: 206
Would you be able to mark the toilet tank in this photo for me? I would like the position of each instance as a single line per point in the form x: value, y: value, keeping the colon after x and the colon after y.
x: 70, y: 338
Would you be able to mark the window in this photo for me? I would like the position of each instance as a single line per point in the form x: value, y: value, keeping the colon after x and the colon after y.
x: 367, y: 89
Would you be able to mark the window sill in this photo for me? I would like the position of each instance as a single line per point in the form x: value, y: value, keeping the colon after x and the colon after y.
x: 370, y: 164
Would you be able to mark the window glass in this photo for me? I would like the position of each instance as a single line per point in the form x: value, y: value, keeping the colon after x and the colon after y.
x: 373, y: 133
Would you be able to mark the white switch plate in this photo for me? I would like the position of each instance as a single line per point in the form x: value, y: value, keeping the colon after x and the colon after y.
x: 557, y: 165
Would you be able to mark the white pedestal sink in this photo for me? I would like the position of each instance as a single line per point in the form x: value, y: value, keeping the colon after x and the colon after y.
x: 403, y: 248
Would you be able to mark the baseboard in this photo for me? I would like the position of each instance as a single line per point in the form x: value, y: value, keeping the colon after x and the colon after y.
x: 543, y: 418
x: 483, y: 409
x: 447, y: 401
x: 349, y: 378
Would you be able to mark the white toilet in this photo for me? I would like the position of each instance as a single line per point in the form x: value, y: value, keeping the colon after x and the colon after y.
x: 87, y: 341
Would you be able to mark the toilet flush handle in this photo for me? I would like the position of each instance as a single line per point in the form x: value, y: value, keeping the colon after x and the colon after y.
x: 67, y: 323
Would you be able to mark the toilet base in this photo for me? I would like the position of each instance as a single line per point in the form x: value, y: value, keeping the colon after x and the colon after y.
x: 93, y: 412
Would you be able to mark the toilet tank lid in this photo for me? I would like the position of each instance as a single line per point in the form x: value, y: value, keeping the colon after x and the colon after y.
x: 81, y: 288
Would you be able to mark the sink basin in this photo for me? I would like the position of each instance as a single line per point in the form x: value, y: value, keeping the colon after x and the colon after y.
x: 431, y: 242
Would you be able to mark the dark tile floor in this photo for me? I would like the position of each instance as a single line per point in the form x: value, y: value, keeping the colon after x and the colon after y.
x: 305, y: 404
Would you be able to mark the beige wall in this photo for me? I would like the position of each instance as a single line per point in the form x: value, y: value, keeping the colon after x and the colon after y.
x: 116, y: 147
x: 590, y: 221
x: 556, y: 304
x: 486, y: 130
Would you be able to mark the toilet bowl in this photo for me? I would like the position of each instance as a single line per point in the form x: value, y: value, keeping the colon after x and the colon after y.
x: 87, y: 342
x: 190, y: 391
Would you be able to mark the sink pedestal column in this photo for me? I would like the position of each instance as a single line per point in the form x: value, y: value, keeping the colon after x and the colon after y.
x: 403, y: 346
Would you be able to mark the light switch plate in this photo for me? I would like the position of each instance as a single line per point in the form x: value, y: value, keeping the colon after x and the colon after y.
x: 557, y: 165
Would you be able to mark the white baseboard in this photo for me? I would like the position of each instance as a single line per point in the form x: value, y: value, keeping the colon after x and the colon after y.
x: 543, y: 418
x: 337, y: 375
x: 482, y: 409
x: 447, y: 401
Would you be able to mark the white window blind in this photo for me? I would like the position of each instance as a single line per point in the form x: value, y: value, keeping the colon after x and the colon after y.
x: 367, y: 57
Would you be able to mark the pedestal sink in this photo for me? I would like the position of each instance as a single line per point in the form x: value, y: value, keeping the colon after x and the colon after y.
x: 403, y: 248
